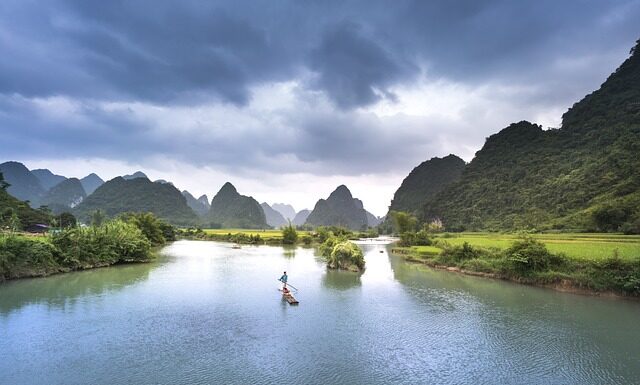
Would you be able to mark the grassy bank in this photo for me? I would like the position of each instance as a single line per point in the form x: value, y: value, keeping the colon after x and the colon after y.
x: 126, y: 239
x: 269, y: 236
x: 592, y: 262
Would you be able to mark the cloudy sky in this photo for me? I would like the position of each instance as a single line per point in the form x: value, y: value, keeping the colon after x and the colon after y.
x: 288, y: 99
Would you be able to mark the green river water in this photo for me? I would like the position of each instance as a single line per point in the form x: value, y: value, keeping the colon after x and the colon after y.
x: 205, y: 313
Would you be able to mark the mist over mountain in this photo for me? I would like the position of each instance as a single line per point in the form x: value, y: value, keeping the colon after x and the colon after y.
x: 339, y: 209
x: 47, y: 178
x: 287, y: 211
x: 120, y: 195
x: 301, y: 217
x: 229, y: 209
x: 91, y: 182
x: 274, y: 217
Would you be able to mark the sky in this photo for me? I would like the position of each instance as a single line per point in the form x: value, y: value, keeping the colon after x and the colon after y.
x: 289, y: 99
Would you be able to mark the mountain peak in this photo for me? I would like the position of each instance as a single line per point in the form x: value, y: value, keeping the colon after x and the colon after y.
x: 228, y: 188
x: 341, y: 192
x: 137, y: 174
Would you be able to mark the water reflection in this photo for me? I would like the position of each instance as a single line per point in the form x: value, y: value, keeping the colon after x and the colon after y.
x: 62, y: 290
x: 341, y: 280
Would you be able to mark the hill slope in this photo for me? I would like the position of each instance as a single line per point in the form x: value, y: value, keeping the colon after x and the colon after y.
x: 274, y: 217
x: 24, y: 185
x: 425, y: 181
x: 200, y: 206
x: 584, y: 176
x: 64, y: 196
x: 47, y: 178
x: 138, y: 195
x: 91, y: 182
x: 339, y: 209
x: 229, y: 209
x: 287, y: 211
x: 26, y: 215
x: 301, y: 217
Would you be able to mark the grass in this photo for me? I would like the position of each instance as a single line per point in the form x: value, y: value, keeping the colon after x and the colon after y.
x: 264, y: 234
x: 573, y: 245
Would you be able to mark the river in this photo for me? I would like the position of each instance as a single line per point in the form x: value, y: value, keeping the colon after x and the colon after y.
x: 205, y: 313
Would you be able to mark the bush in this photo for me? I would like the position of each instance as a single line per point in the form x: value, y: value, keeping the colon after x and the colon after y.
x: 151, y: 226
x: 461, y: 253
x: 307, y: 240
x: 25, y: 257
x: 529, y: 255
x: 346, y: 255
x: 289, y: 235
x: 112, y: 242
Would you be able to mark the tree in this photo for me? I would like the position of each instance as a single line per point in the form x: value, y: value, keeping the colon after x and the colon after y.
x: 14, y: 222
x: 289, y: 234
x: 97, y: 217
x: 403, y: 222
x: 3, y: 184
x: 67, y: 219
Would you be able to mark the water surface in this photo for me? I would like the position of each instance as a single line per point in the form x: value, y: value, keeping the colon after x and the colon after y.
x: 205, y: 313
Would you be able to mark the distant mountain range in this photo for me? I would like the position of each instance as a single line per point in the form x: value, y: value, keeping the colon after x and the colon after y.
x: 90, y: 183
x: 274, y: 218
x: 229, y: 209
x: 287, y: 211
x: 301, y: 217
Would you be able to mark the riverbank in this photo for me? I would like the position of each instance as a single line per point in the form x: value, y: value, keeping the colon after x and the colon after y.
x: 72, y: 249
x: 528, y: 261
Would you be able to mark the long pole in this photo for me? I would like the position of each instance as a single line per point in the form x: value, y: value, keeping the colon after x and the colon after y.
x: 288, y: 284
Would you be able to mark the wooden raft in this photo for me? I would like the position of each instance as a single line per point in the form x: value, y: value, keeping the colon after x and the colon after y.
x: 291, y: 299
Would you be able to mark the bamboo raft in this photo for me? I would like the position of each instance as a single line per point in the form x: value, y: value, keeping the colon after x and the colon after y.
x: 291, y: 299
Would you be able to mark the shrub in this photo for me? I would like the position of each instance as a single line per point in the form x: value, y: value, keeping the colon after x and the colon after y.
x: 461, y: 253
x: 346, y: 255
x: 289, y: 235
x: 528, y: 255
x: 24, y: 257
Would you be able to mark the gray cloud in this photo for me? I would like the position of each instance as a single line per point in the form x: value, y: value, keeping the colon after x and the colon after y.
x: 354, y: 70
x: 160, y: 63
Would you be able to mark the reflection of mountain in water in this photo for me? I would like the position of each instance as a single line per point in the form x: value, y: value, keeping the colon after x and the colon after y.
x: 341, y: 280
x: 63, y: 290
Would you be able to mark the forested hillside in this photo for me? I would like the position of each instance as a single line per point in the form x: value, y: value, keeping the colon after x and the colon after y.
x: 583, y: 176
x: 426, y: 180
x: 339, y: 209
x: 138, y: 195
x: 231, y: 210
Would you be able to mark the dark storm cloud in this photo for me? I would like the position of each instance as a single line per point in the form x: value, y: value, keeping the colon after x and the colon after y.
x: 353, y: 69
x: 174, y: 54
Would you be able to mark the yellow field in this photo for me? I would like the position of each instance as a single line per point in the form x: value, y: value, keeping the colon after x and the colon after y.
x: 264, y: 234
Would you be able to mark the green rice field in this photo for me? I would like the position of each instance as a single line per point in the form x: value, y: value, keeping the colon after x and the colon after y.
x: 574, y: 245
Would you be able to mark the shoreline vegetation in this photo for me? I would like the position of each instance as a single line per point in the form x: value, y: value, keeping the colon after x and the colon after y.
x: 527, y: 259
x: 129, y: 238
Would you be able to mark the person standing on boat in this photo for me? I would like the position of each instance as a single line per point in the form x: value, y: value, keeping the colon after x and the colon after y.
x: 284, y: 279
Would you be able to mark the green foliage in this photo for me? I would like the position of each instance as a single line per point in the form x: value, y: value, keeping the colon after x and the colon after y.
x: 410, y: 238
x: 21, y: 256
x: 66, y: 219
x: 97, y: 218
x: 153, y: 228
x: 72, y: 248
x: 3, y: 184
x: 289, y: 235
x: 583, y: 176
x: 461, y: 253
x: 425, y: 181
x: 403, y: 222
x: 347, y: 256
x: 112, y: 242
x: 530, y: 255
x: 10, y: 206
x: 119, y: 196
